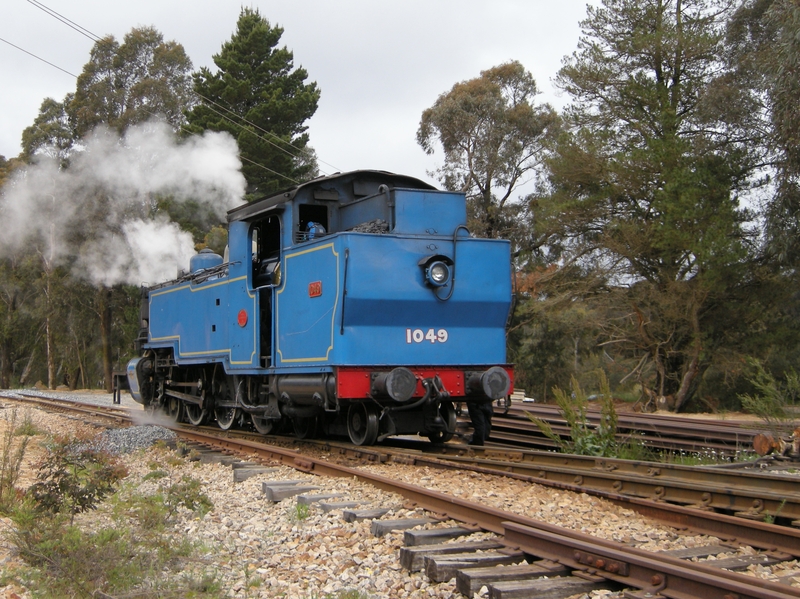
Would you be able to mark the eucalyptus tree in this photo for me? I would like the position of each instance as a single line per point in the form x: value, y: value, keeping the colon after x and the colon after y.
x: 493, y: 135
x: 143, y: 78
x: 763, y: 49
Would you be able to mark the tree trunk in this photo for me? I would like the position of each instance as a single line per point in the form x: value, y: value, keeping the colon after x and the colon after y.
x: 104, y: 308
x: 51, y: 358
x: 5, y: 364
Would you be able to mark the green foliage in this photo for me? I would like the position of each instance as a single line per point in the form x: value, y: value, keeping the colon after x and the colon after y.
x: 124, y: 558
x: 492, y: 136
x: 216, y: 240
x: 12, y: 452
x: 138, y: 80
x: 258, y: 96
x: 78, y: 331
x: 138, y: 554
x: 642, y: 197
x: 26, y: 428
x: 156, y: 511
x: 763, y: 39
x: 188, y: 494
x: 72, y: 479
x: 155, y: 475
x: 772, y: 397
x: 584, y: 439
x: 301, y: 512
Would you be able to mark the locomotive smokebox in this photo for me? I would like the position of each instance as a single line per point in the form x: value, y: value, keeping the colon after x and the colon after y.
x: 493, y: 383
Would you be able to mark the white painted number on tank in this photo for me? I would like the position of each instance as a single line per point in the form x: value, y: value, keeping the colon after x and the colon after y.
x: 418, y: 335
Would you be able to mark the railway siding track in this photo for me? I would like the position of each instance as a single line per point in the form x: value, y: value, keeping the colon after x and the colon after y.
x: 592, y: 559
x: 756, y: 495
x: 656, y: 431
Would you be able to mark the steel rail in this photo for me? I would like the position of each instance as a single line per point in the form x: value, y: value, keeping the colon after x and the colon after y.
x: 750, y: 495
x: 678, y: 579
x: 726, y: 432
x: 656, y: 575
x: 688, y: 439
x: 753, y: 532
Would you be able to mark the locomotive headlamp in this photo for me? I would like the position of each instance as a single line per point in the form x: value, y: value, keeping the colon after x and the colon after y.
x: 438, y: 274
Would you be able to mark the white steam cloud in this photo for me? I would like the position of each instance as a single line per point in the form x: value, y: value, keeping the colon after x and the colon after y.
x: 96, y: 214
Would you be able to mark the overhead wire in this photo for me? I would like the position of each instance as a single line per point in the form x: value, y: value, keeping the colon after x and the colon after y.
x: 65, y: 20
x: 38, y: 58
x: 94, y: 37
x: 182, y: 127
x: 210, y: 101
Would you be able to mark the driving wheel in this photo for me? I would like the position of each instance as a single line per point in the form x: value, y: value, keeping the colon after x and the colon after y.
x: 362, y: 424
x: 263, y: 425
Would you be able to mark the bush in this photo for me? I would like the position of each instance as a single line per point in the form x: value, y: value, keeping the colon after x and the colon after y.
x: 772, y: 398
x: 138, y: 554
x: 584, y: 439
x: 72, y: 479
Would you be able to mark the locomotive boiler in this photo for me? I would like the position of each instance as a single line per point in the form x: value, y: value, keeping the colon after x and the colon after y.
x: 355, y: 304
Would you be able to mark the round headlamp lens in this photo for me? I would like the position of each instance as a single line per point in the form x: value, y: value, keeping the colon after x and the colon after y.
x: 438, y: 273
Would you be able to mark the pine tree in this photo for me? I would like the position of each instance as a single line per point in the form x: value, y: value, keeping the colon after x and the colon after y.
x: 258, y: 96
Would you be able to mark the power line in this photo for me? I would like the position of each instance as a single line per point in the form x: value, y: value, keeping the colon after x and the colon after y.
x: 38, y: 58
x: 85, y: 32
x: 182, y: 127
x: 299, y: 150
x: 82, y: 30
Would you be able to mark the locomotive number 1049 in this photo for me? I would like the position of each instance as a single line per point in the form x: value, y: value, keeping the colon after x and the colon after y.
x: 418, y: 335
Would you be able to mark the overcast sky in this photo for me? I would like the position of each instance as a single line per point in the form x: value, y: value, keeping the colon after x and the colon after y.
x: 378, y: 63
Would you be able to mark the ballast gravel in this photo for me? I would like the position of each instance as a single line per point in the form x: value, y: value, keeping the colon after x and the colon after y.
x: 120, y: 441
x: 257, y: 548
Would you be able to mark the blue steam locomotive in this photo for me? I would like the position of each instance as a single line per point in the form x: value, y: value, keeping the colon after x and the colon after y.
x: 355, y: 304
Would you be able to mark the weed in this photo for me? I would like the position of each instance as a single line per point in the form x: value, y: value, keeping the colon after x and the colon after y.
x: 770, y: 518
x: 188, y: 494
x: 65, y: 561
x: 26, y: 428
x: 137, y: 555
x: 584, y: 439
x: 12, y: 452
x: 772, y: 397
x: 155, y: 475
x: 635, y: 448
x: 301, y: 512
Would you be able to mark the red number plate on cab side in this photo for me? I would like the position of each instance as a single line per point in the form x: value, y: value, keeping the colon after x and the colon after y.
x: 315, y: 289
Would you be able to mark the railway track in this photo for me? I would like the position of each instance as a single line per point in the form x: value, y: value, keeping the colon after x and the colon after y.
x: 658, y: 432
x: 583, y: 556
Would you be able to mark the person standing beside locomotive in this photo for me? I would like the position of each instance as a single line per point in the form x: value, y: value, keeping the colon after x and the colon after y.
x: 480, y: 413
